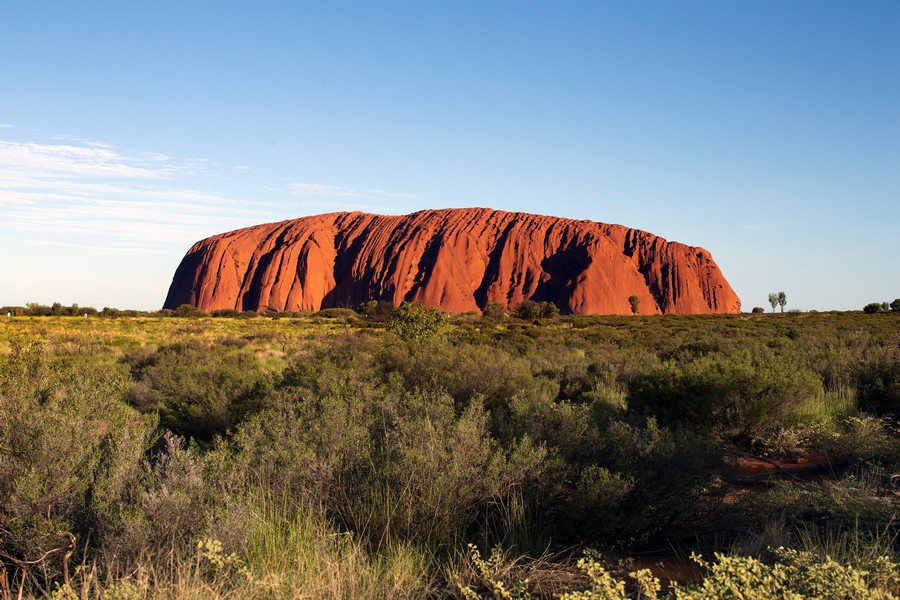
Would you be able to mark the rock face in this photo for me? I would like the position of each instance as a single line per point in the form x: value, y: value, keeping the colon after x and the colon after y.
x: 456, y: 259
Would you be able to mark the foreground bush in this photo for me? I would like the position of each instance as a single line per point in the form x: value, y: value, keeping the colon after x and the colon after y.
x: 63, y: 434
x: 389, y: 464
x: 75, y: 467
x: 793, y: 575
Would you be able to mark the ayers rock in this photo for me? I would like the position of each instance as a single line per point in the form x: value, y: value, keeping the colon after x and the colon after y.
x: 456, y: 259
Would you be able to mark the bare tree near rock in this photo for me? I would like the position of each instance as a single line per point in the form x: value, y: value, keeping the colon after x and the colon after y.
x: 773, y: 300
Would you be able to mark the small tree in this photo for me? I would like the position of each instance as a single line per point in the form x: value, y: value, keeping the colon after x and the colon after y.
x: 758, y: 310
x: 376, y: 310
x: 634, y: 301
x: 494, y: 311
x: 531, y: 310
x: 414, y: 322
x: 782, y: 300
x: 872, y: 307
x: 773, y: 300
x: 187, y: 310
x: 895, y: 305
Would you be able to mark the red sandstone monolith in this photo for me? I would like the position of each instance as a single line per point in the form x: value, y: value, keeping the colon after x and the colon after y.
x: 456, y: 259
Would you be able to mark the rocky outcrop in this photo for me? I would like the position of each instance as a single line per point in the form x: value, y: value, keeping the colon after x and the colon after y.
x: 457, y: 259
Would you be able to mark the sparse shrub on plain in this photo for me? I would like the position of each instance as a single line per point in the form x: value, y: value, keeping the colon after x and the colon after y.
x: 462, y: 370
x: 794, y: 574
x: 188, y: 310
x: 63, y: 433
x: 878, y: 382
x: 659, y: 478
x: 858, y: 439
x: 155, y: 508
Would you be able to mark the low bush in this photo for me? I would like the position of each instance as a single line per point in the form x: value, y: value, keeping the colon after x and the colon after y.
x: 644, y: 480
x: 389, y: 464
x: 735, y: 396
x: 464, y: 371
x: 197, y: 389
x: 530, y: 310
x: 878, y: 386
x: 414, y: 322
x: 342, y: 314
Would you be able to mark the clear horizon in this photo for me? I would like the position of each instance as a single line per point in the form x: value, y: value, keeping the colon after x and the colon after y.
x: 766, y: 133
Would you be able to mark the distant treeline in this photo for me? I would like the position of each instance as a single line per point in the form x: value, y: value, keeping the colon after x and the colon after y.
x: 377, y: 310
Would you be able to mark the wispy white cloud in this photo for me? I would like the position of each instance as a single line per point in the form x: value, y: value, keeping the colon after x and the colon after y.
x: 87, y: 194
x: 89, y: 188
x: 322, y: 190
x: 66, y: 160
x: 99, y: 248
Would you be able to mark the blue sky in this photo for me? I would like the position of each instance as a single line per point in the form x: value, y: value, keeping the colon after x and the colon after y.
x: 766, y: 132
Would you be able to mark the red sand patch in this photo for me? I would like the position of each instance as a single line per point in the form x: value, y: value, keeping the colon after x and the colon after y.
x: 669, y: 569
x: 806, y: 468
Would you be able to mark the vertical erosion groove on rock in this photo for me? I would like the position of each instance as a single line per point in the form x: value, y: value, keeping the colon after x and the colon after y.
x: 456, y: 259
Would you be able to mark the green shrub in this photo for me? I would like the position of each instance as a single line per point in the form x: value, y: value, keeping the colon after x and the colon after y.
x: 531, y: 310
x: 849, y: 502
x: 878, y: 383
x: 188, y: 310
x: 385, y: 463
x: 658, y: 478
x: 198, y: 390
x: 64, y: 432
x: 155, y: 507
x: 856, y: 439
x: 376, y: 310
x: 795, y: 574
x: 736, y: 396
x: 494, y: 311
x: 343, y: 314
x: 414, y: 322
x: 464, y: 371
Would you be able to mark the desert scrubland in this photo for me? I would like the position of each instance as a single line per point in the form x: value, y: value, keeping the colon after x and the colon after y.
x: 408, y: 453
